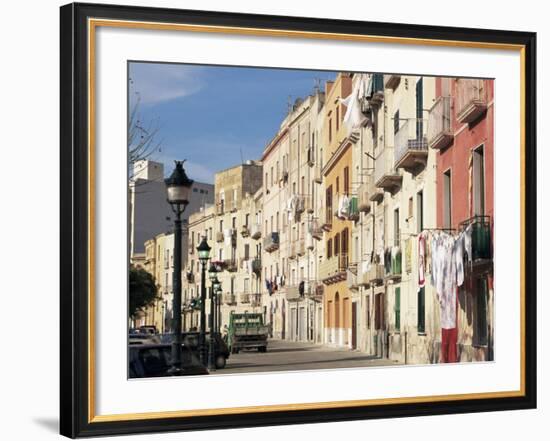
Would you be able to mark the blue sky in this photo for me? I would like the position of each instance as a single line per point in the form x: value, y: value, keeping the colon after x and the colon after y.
x: 209, y: 114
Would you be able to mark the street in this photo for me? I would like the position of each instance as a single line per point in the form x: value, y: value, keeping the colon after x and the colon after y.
x: 284, y: 355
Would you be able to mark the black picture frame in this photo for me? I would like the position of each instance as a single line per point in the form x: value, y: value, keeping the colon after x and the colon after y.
x: 76, y: 418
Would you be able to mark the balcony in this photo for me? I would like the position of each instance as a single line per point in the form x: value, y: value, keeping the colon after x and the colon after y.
x: 300, y: 204
x: 411, y: 146
x: 310, y: 156
x: 392, y: 81
x: 292, y: 250
x: 257, y: 265
x: 317, y: 174
x: 308, y: 204
x: 219, y: 236
x: 325, y: 216
x: 376, y: 87
x: 393, y: 269
x: 364, y: 195
x: 351, y: 278
x: 244, y: 298
x: 310, y: 243
x: 353, y: 208
x: 245, y: 231
x: 301, y: 247
x: 190, y: 277
x: 293, y: 293
x: 316, y: 230
x: 220, y: 208
x: 271, y: 242
x: 228, y: 298
x: 230, y: 265
x: 315, y: 291
x: 374, y: 276
x: 255, y: 300
x: 386, y: 177
x: 440, y: 134
x: 333, y: 270
x: 480, y: 227
x: 471, y: 99
x: 256, y: 231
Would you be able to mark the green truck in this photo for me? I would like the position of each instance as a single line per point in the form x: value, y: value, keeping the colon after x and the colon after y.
x: 247, y: 331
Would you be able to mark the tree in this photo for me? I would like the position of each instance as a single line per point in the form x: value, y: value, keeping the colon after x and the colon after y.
x: 143, y: 291
x: 142, y: 137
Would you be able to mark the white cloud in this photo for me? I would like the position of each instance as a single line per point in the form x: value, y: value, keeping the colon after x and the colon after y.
x: 156, y: 83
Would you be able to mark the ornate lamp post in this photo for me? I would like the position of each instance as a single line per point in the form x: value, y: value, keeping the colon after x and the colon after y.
x: 203, y: 251
x: 212, y: 275
x: 178, y: 186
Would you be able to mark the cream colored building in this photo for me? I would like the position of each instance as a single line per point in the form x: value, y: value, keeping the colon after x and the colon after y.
x: 291, y: 254
x: 394, y: 175
x: 231, y: 228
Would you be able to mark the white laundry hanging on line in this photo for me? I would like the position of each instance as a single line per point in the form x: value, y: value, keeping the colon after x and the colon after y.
x: 343, y: 206
x: 227, y: 234
x: 354, y: 116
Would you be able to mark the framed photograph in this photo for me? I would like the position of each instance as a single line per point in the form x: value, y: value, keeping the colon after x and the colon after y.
x: 278, y: 220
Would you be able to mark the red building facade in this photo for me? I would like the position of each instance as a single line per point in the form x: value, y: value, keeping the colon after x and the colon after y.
x: 462, y: 129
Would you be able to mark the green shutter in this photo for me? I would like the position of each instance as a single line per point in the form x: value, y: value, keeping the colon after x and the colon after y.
x: 398, y: 309
x: 481, y: 311
x: 421, y: 324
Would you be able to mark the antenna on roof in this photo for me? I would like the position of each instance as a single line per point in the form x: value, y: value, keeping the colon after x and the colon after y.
x: 242, y: 159
x: 316, y: 85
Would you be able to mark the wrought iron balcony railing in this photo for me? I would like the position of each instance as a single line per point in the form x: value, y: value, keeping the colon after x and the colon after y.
x: 411, y: 145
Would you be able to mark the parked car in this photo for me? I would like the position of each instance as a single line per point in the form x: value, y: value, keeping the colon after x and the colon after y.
x: 155, y: 360
x: 191, y: 340
x: 148, y: 329
x: 143, y: 339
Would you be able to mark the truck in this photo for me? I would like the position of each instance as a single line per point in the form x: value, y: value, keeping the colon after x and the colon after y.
x: 247, y: 331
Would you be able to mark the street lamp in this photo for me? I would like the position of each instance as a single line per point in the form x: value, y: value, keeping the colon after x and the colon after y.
x: 212, y: 275
x: 178, y: 187
x: 203, y: 251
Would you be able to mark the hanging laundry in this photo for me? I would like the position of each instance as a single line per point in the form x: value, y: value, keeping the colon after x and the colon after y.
x: 421, y: 259
x: 408, y: 254
x: 227, y: 234
x: 343, y: 206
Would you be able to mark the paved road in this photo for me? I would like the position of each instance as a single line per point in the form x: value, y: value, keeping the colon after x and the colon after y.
x: 283, y: 355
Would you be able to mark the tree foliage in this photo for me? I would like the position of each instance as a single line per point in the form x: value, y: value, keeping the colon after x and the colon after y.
x: 143, y: 291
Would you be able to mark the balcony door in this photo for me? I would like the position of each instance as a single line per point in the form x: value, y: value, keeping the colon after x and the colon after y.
x: 419, y: 108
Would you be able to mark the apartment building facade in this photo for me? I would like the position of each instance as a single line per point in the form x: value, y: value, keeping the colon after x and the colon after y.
x: 291, y: 254
x: 462, y: 134
x: 231, y: 230
x: 340, y: 309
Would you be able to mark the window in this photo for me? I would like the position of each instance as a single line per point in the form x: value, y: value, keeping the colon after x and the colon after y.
x: 410, y: 213
x: 378, y: 312
x: 368, y: 311
x: 480, y: 312
x: 232, y: 285
x: 345, y: 235
x: 329, y: 248
x: 210, y: 233
x: 277, y: 170
x: 337, y: 117
x: 246, y: 285
x: 398, y: 309
x: 277, y: 222
x: 396, y: 122
x: 195, y: 190
x: 337, y: 184
x: 337, y: 244
x: 396, y: 227
x: 272, y: 176
x: 329, y: 129
x: 419, y: 108
x: 421, y: 320
x: 247, y: 220
x: 246, y: 251
x: 234, y: 222
x: 419, y: 211
x: 328, y: 201
x: 346, y: 180
x: 479, y: 182
x: 447, y: 204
